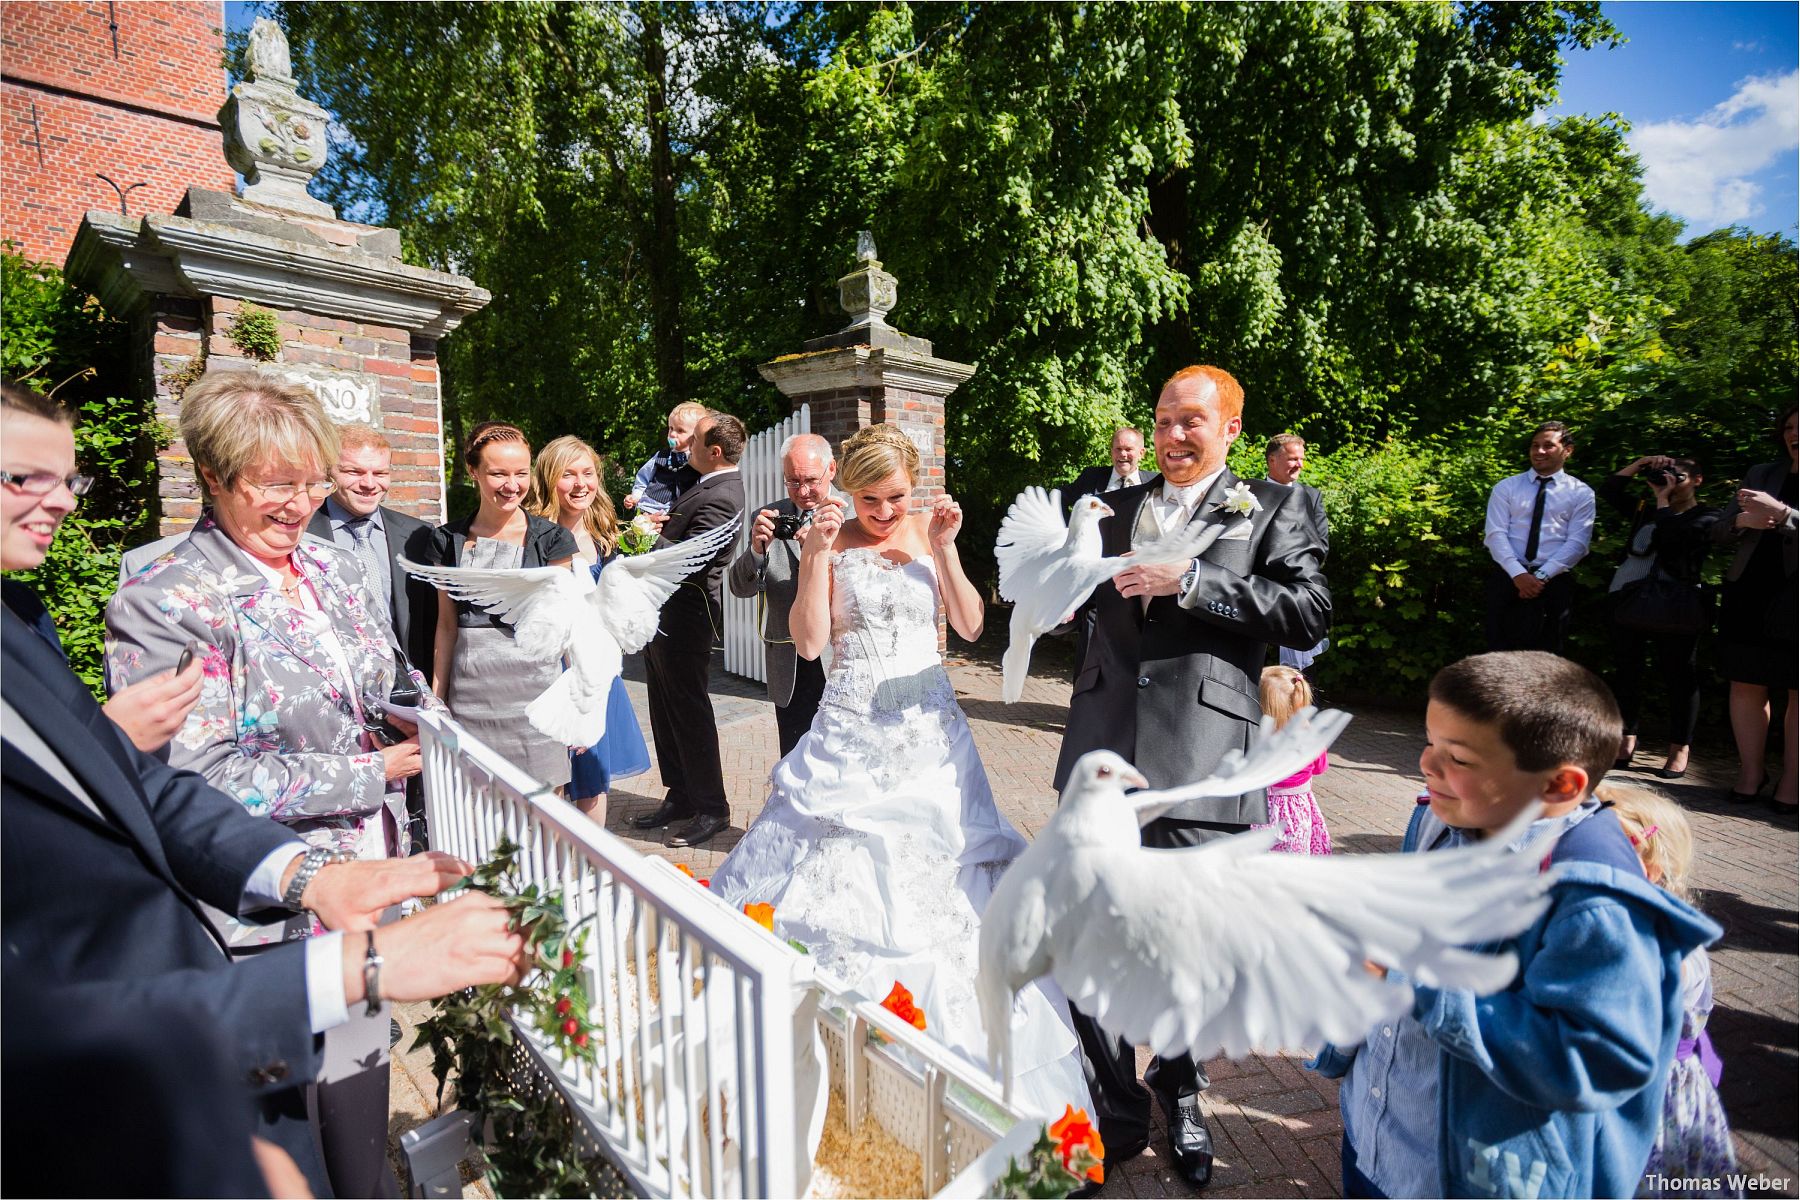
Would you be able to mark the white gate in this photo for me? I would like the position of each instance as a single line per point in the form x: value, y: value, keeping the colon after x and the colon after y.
x: 761, y: 470
x: 716, y: 1043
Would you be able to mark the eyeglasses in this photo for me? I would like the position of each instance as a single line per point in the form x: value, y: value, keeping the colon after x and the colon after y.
x: 797, y: 484
x: 281, y: 493
x: 42, y: 483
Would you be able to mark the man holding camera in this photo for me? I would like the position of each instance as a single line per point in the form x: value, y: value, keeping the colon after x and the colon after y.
x: 770, y: 570
x: 1539, y: 524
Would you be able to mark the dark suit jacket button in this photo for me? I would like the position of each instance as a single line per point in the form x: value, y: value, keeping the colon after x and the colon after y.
x: 1143, y: 681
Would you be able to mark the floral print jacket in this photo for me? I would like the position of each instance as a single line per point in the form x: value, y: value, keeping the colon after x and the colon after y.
x: 276, y: 727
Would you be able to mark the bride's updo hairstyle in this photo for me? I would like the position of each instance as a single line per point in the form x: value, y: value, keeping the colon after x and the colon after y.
x: 874, y: 452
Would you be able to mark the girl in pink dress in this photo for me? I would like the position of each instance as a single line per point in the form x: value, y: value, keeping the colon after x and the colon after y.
x: 1292, y: 807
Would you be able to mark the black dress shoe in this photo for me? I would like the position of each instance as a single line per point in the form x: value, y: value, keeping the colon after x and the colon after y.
x: 1190, y: 1141
x: 657, y: 817
x: 698, y: 831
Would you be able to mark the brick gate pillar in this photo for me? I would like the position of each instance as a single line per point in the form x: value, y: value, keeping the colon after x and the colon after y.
x: 869, y: 371
x: 350, y: 319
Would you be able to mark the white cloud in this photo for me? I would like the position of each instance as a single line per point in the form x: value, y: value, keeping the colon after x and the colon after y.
x: 1701, y: 170
x: 1753, y: 47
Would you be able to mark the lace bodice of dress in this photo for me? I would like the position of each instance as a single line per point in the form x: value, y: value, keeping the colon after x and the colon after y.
x: 884, y: 636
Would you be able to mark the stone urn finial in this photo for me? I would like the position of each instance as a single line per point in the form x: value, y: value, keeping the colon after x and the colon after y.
x: 868, y: 293
x: 274, y: 137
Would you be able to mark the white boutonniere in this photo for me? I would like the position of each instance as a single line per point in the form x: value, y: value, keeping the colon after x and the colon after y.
x: 1239, y: 499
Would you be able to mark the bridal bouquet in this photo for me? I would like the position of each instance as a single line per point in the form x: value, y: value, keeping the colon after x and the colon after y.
x: 639, y: 536
x: 1068, y: 1155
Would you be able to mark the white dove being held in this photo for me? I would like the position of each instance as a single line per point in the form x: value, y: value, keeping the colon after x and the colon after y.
x: 1227, y: 947
x: 1048, y: 568
x: 556, y: 612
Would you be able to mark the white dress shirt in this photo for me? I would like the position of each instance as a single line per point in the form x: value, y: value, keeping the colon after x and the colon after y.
x: 1563, y: 537
x: 1115, y: 481
x: 339, y: 517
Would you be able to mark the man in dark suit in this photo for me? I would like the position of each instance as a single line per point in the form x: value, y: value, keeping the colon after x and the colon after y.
x: 1286, y: 456
x: 109, y: 859
x: 1122, y: 472
x: 1169, y: 681
x: 678, y: 660
x: 769, y: 568
x: 354, y: 518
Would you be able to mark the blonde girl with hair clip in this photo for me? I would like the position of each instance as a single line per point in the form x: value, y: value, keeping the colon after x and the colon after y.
x: 566, y: 488
x: 1693, y: 1155
x: 1293, y: 809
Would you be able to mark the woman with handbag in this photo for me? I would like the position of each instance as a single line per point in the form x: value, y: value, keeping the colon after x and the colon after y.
x: 1758, y: 618
x: 1658, y: 608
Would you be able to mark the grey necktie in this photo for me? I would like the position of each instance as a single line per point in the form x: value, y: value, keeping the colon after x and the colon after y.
x: 363, y: 530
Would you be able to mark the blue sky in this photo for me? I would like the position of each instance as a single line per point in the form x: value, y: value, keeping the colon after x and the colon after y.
x: 1711, y: 93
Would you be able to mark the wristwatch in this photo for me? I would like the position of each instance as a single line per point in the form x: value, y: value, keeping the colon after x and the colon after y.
x: 1542, y: 574
x: 1189, y: 577
x: 315, y: 860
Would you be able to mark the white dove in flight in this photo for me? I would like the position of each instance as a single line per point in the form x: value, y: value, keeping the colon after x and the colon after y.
x: 1227, y: 947
x: 1048, y: 569
x: 555, y: 612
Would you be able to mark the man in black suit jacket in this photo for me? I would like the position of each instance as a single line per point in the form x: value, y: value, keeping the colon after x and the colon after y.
x: 1286, y: 456
x: 678, y: 660
x: 354, y: 518
x: 1169, y: 681
x: 1122, y: 472
x: 355, y: 511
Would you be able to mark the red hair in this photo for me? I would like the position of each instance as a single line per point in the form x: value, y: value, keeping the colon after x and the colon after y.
x: 1230, y: 391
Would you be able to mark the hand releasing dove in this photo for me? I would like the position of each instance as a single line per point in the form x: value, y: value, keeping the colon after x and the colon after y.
x: 1227, y: 947
x: 555, y: 611
x: 1049, y: 569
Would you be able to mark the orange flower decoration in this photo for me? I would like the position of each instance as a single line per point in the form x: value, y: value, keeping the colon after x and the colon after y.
x: 685, y: 869
x: 900, y: 1003
x: 762, y: 914
x: 1077, y: 1138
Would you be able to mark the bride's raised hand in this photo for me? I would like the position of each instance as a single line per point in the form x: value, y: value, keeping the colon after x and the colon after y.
x: 946, y: 522
x: 820, y: 534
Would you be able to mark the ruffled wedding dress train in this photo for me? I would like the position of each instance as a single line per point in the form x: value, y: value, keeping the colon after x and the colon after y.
x: 880, y: 845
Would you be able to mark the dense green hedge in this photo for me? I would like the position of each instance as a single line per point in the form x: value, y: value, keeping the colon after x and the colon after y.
x: 56, y: 339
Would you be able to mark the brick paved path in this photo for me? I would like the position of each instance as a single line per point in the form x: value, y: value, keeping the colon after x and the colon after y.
x: 1275, y: 1125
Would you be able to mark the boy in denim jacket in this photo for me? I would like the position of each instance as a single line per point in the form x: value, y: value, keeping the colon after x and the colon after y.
x: 1554, y: 1086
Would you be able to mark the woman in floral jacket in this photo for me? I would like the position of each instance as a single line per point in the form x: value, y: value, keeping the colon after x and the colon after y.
x: 298, y: 657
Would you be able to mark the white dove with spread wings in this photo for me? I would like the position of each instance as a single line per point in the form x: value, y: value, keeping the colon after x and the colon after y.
x: 1227, y: 947
x: 1048, y: 568
x: 556, y: 612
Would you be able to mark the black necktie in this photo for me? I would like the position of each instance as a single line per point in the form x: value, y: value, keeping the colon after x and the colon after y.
x: 1537, y: 521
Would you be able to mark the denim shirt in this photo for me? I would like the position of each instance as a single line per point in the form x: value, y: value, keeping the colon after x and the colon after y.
x: 1389, y: 1098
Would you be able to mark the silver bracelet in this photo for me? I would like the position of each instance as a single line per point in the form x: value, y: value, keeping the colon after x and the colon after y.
x: 371, y: 975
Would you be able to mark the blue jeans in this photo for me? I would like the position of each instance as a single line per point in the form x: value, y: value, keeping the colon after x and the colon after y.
x: 1357, y: 1186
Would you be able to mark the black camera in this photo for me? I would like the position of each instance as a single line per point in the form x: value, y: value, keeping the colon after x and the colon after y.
x: 1663, y: 476
x: 788, y: 527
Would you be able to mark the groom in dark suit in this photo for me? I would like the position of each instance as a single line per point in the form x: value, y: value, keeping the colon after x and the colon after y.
x: 678, y: 661
x: 1169, y: 681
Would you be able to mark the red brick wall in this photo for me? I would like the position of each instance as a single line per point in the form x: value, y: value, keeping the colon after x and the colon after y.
x: 406, y: 372
x: 145, y: 117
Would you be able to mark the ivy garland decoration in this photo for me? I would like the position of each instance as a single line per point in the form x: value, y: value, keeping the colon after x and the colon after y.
x: 528, y: 1140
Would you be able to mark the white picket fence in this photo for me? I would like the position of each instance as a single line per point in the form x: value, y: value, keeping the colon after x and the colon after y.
x: 761, y: 469
x: 716, y: 1043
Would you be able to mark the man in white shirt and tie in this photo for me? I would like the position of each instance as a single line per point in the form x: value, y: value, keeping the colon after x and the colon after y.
x: 1122, y: 472
x: 1539, y: 524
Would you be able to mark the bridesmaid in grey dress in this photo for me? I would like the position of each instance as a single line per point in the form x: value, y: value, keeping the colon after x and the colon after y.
x: 477, y: 668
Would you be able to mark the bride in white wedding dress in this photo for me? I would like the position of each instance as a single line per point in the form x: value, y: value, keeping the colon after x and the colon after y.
x: 880, y: 843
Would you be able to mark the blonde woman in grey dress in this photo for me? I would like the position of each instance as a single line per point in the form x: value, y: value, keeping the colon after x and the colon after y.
x: 476, y: 666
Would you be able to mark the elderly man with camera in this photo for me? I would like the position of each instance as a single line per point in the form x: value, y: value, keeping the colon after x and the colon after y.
x: 770, y: 570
